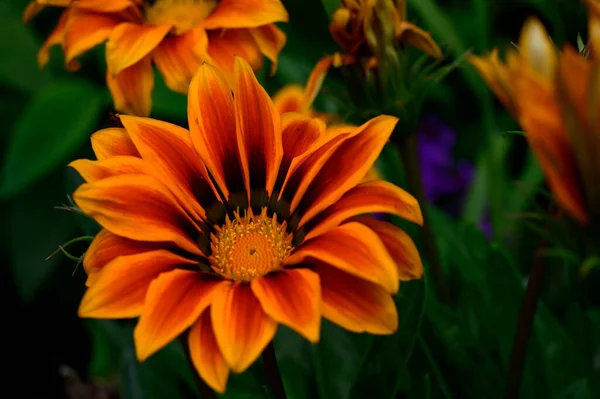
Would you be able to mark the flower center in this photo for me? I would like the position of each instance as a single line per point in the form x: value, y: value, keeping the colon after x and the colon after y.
x: 182, y: 14
x: 249, y: 246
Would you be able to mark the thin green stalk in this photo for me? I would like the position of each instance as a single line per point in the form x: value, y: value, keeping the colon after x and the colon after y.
x: 273, y: 376
x: 435, y: 369
x: 410, y: 161
x: 526, y: 317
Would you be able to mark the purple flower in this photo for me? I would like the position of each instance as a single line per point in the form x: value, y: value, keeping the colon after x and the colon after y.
x: 445, y: 181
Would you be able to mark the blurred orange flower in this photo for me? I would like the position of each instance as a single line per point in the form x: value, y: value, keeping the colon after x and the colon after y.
x: 554, y: 96
x: 176, y: 35
x: 247, y: 220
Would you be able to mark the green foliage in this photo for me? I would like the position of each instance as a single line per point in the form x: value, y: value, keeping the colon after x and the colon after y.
x: 56, y: 122
x: 439, y: 351
x: 331, y: 6
x: 18, y: 48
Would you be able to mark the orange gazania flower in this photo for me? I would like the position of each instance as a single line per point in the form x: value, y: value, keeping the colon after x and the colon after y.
x: 245, y: 221
x: 176, y: 35
x: 552, y: 94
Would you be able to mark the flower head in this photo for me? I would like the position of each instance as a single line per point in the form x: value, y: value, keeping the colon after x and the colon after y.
x: 247, y: 220
x: 175, y: 35
x: 553, y: 95
x: 362, y: 27
x: 373, y: 35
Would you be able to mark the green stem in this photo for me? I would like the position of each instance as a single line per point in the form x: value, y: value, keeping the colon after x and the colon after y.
x: 273, y: 377
x: 410, y: 161
x: 435, y: 369
x: 525, y: 323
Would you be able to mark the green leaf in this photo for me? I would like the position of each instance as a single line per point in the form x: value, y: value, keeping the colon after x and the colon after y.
x: 163, y: 375
x: 295, y: 364
x: 251, y: 384
x: 167, y: 104
x: 338, y: 358
x: 385, y: 368
x: 50, y: 129
x: 37, y: 228
x: 18, y: 49
x: 437, y: 22
x: 106, y: 339
x: 578, y: 390
x: 560, y: 358
x: 330, y: 6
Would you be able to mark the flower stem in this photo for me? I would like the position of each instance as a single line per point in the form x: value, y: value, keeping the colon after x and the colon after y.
x: 205, y: 391
x: 273, y: 377
x: 409, y: 152
x: 525, y: 323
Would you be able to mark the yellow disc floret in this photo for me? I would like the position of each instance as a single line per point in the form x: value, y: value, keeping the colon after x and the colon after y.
x: 249, y: 246
x: 182, y: 14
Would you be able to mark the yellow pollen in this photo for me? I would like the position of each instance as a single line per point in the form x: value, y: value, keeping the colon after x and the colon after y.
x: 249, y: 246
x: 182, y: 14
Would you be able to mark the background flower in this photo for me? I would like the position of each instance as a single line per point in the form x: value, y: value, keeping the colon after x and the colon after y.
x: 175, y: 35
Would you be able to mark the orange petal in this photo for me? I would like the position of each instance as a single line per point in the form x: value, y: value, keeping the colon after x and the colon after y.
x: 400, y: 246
x: 132, y: 88
x: 85, y: 30
x: 245, y: 14
x: 305, y: 167
x: 92, y: 171
x: 223, y: 46
x: 353, y: 248
x: 357, y: 153
x: 537, y: 49
x: 56, y: 37
x: 104, y: 5
x: 168, y: 149
x: 258, y: 129
x: 370, y: 197
x: 411, y: 35
x: 178, y: 58
x: 299, y: 135
x: 355, y: 304
x: 138, y: 207
x: 173, y: 303
x: 290, y: 98
x: 128, y: 43
x: 120, y: 288
x: 270, y: 40
x: 315, y: 80
x: 241, y: 327
x: 206, y: 355
x: 496, y: 76
x: 292, y: 297
x: 372, y: 174
x: 576, y: 80
x: 112, y: 142
x: 32, y: 9
x: 211, y: 118
x: 105, y: 247
x: 540, y: 117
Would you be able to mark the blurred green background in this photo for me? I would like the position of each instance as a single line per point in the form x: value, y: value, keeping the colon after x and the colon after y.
x: 439, y: 352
